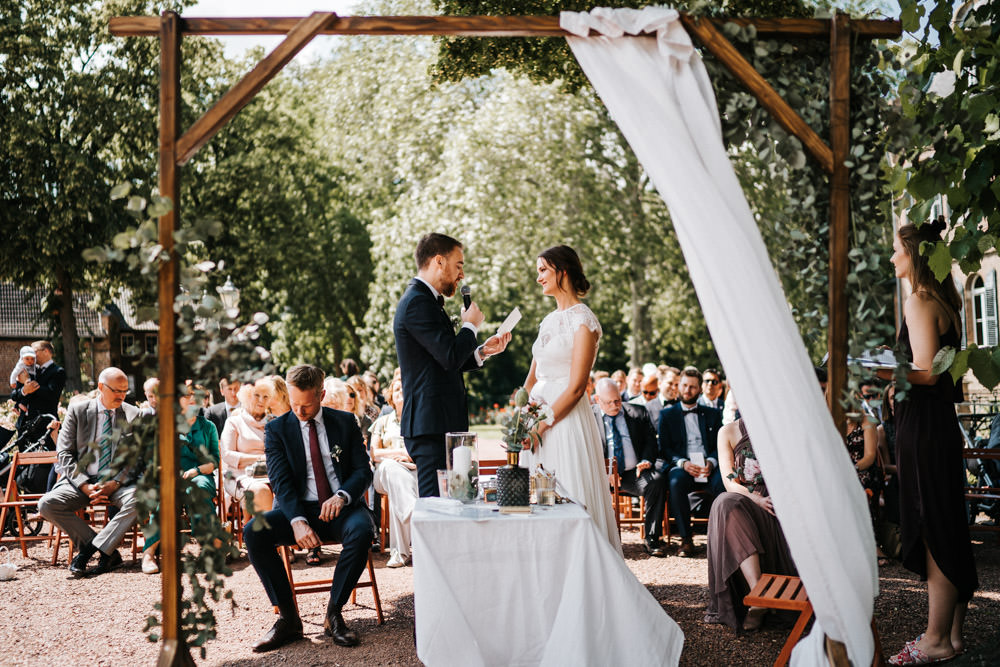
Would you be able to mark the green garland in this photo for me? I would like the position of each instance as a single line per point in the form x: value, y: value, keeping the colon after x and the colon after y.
x: 211, y: 344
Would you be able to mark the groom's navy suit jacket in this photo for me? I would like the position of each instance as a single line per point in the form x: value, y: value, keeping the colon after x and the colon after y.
x: 286, y: 459
x: 432, y: 358
x: 673, y: 432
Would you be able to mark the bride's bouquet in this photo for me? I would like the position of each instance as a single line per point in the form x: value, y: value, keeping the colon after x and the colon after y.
x: 521, y: 425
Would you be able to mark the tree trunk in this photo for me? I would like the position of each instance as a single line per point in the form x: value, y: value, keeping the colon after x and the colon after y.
x: 641, y: 329
x: 67, y: 323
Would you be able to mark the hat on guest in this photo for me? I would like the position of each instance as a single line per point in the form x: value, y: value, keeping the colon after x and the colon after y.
x: 27, y: 351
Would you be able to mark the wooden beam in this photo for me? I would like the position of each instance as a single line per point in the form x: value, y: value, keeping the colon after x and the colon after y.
x: 840, y: 211
x: 240, y: 95
x: 467, y: 26
x: 769, y: 98
x: 173, y: 650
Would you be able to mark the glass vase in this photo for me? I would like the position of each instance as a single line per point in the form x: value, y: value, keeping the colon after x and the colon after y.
x: 463, y: 465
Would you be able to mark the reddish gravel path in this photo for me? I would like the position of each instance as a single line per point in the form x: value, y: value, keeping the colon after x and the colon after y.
x: 47, y: 618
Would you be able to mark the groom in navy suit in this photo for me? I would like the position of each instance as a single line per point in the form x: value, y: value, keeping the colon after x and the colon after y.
x: 319, y: 470
x: 433, y: 356
x: 687, y: 428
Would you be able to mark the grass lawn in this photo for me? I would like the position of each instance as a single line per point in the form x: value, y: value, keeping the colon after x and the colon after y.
x: 487, y: 431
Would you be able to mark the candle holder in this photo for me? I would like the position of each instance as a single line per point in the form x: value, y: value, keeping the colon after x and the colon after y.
x: 462, y: 451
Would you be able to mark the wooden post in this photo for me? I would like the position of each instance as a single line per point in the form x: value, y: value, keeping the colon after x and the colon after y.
x: 173, y: 651
x: 840, y: 211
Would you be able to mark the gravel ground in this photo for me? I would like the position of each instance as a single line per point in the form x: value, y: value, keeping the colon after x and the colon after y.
x: 49, y: 618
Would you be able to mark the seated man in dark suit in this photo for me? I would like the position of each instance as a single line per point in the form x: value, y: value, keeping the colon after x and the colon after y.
x: 630, y: 438
x: 666, y: 385
x: 319, y: 470
x: 218, y: 413
x: 689, y: 430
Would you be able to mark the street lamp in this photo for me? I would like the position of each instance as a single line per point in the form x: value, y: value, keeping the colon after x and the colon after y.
x: 230, y: 296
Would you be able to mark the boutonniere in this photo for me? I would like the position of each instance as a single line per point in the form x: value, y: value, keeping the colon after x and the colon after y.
x: 335, y: 451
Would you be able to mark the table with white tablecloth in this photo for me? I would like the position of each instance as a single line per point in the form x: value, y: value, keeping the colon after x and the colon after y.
x: 529, y: 589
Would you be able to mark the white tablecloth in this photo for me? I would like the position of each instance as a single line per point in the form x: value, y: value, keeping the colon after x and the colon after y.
x: 538, y: 589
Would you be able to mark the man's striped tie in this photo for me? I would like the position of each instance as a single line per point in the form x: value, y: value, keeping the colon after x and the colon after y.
x: 105, y: 442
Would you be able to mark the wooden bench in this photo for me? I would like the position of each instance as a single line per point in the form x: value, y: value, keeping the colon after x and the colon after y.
x: 778, y: 591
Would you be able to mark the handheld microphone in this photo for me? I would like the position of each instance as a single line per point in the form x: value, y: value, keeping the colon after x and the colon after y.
x: 466, y: 296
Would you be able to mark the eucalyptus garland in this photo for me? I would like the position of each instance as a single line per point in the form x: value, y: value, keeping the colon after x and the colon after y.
x: 795, y: 220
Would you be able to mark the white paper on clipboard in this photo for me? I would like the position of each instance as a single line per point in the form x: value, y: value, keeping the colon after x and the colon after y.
x: 508, y: 324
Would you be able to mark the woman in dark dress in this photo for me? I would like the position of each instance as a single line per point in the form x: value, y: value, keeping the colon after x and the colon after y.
x: 935, y: 532
x: 744, y: 536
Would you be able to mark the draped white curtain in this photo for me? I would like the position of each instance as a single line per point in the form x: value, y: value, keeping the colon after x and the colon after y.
x: 659, y: 94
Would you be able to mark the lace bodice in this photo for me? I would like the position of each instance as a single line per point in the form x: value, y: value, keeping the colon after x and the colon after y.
x: 553, y: 349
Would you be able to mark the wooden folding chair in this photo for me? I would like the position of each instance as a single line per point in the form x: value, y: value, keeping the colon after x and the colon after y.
x: 777, y: 591
x: 97, y: 516
x: 323, y: 585
x: 16, y: 501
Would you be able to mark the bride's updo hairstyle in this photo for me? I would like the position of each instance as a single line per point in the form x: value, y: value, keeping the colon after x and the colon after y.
x: 921, y: 275
x: 564, y: 260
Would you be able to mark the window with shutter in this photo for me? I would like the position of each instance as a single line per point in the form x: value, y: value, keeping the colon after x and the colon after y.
x: 990, y: 324
x: 979, y: 310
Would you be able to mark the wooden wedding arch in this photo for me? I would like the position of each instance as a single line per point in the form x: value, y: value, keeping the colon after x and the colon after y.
x: 177, y: 147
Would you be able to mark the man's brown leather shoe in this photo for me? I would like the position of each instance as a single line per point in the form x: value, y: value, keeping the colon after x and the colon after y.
x: 686, y: 549
x: 336, y: 628
x: 282, y: 632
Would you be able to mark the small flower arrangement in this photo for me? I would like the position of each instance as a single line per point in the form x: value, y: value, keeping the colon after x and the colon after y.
x: 749, y: 474
x: 521, y: 424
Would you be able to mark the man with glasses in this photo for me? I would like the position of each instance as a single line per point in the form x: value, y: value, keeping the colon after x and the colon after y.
x: 711, y: 390
x: 871, y: 398
x: 87, y: 447
x: 630, y: 438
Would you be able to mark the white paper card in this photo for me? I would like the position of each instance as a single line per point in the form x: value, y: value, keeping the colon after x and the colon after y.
x: 508, y: 324
x: 698, y: 459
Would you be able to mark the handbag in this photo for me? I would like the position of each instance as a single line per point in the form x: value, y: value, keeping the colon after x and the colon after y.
x: 257, y: 469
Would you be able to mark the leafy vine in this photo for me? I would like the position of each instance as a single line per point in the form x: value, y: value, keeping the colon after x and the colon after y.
x: 211, y: 344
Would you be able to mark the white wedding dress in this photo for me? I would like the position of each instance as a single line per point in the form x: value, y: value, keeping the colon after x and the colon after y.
x: 572, y: 448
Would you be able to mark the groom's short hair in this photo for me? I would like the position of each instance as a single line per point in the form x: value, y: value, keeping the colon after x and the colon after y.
x: 432, y: 245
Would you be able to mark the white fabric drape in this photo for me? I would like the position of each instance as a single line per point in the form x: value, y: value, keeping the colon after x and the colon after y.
x: 659, y: 94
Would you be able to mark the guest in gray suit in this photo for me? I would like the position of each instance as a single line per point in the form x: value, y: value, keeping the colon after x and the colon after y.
x: 88, y: 440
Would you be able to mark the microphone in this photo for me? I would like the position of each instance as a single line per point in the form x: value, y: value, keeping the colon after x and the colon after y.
x: 466, y: 296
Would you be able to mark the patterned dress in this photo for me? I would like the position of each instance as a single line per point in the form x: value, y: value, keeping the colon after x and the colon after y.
x: 872, y: 477
x: 738, y: 528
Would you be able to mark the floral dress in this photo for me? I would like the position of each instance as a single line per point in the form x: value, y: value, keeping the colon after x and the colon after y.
x: 872, y: 477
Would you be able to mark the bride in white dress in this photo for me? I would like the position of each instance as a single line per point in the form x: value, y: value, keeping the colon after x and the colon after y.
x: 563, y: 356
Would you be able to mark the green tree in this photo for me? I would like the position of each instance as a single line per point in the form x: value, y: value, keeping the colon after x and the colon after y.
x: 78, y: 112
x: 290, y: 238
x: 947, y: 134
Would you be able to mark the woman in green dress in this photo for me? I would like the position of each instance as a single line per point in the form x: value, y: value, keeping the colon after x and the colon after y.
x: 199, y: 459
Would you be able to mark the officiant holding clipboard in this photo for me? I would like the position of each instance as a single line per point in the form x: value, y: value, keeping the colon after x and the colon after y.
x: 433, y: 356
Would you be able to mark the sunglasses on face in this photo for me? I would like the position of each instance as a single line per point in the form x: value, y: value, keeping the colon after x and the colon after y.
x: 649, y: 392
x: 869, y: 397
x: 352, y: 395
